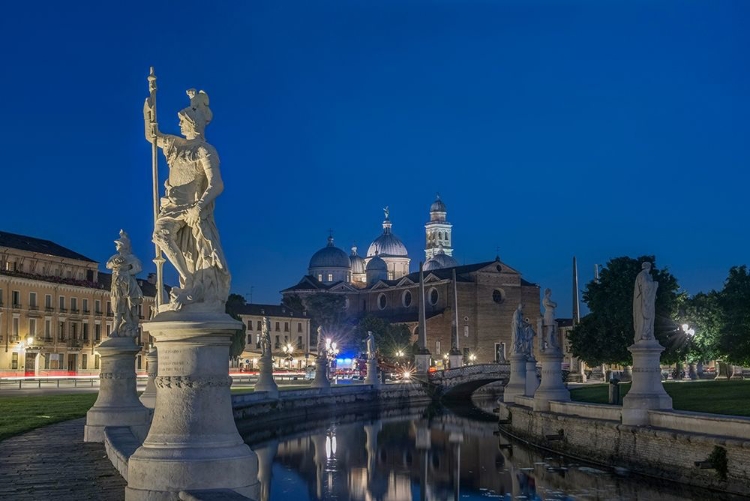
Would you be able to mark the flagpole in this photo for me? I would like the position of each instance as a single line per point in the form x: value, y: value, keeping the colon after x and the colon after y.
x: 159, y: 259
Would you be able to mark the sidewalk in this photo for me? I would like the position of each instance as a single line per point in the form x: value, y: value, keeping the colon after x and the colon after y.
x: 53, y: 462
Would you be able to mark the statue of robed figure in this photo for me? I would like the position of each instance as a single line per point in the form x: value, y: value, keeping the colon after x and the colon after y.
x: 644, y: 303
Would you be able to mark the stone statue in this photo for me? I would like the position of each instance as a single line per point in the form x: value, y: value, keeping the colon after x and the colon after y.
x: 386, y: 211
x: 549, y: 325
x: 370, y: 346
x: 265, y: 338
x: 126, y: 294
x: 528, y: 337
x: 644, y: 303
x: 185, y: 229
x: 516, y: 328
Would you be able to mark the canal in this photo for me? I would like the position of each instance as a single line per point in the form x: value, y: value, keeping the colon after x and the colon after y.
x: 432, y: 453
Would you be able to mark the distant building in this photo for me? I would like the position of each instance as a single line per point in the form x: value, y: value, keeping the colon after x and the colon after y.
x: 290, y: 336
x: 382, y: 285
x: 55, y: 308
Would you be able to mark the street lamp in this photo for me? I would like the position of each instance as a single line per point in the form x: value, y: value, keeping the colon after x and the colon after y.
x: 331, y: 350
x: 690, y: 332
x: 472, y: 358
x: 288, y: 349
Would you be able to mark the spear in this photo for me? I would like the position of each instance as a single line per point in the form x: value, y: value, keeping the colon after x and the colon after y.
x: 159, y: 259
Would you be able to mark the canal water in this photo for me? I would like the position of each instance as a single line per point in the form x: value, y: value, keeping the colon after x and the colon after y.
x: 432, y: 453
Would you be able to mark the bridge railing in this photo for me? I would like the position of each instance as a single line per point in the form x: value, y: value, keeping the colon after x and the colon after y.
x: 469, y: 370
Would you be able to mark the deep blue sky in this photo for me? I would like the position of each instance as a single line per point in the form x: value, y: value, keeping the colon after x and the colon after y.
x: 551, y: 129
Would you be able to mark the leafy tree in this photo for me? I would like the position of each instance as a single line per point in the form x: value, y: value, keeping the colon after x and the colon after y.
x: 734, y: 302
x: 389, y: 338
x: 604, y: 335
x: 234, y: 305
x: 703, y: 314
x: 328, y: 311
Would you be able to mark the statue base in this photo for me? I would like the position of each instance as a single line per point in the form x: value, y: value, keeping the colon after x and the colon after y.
x: 148, y: 398
x: 647, y: 391
x: 372, y: 373
x: 117, y: 403
x: 193, y: 443
x: 265, y: 377
x: 321, y: 374
x: 532, y: 380
x: 517, y: 384
x: 422, y: 362
x: 455, y: 359
x: 552, y: 387
x: 627, y: 374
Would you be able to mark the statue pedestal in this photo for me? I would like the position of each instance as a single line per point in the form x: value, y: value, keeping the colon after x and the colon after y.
x: 372, y: 373
x: 647, y: 391
x: 148, y: 398
x: 532, y: 381
x: 455, y: 359
x: 321, y: 373
x: 265, y: 377
x: 117, y: 403
x: 552, y: 386
x: 193, y: 443
x: 627, y: 374
x: 422, y: 362
x: 517, y: 384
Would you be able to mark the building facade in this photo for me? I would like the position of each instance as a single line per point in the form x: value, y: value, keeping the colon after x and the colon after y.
x: 290, y: 336
x: 55, y: 309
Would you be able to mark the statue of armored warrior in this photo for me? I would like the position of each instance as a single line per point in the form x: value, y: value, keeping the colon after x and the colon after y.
x: 126, y: 294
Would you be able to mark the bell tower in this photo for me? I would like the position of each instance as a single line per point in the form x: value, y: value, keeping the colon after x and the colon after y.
x: 438, y: 231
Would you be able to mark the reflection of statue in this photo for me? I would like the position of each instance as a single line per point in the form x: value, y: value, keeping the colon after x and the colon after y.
x: 265, y: 338
x: 185, y: 229
x: 370, y: 345
x: 644, y: 303
x: 126, y: 295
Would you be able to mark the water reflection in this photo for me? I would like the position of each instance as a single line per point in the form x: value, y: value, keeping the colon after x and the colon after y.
x: 425, y: 455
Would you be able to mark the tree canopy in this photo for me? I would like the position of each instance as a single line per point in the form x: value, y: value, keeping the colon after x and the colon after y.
x: 389, y: 338
x: 234, y: 305
x: 733, y: 340
x: 604, y: 335
x: 326, y: 310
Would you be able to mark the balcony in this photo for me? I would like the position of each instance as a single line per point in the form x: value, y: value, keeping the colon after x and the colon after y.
x: 98, y: 313
x: 49, y: 309
x: 63, y: 309
x: 86, y: 311
x: 110, y: 314
x: 33, y: 307
x: 16, y: 306
x: 74, y: 344
x: 74, y: 311
x: 47, y: 340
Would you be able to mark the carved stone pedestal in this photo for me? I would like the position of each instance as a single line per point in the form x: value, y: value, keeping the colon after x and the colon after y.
x: 455, y: 359
x: 372, y: 373
x: 627, y: 374
x: 532, y: 381
x: 422, y: 362
x: 148, y: 398
x: 647, y: 391
x: 117, y: 403
x: 193, y: 443
x: 265, y: 377
x: 321, y: 373
x: 517, y: 384
x: 552, y: 386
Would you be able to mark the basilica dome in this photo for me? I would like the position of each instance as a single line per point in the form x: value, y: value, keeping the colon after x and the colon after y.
x: 440, y: 261
x: 358, y: 263
x: 330, y: 256
x: 387, y: 244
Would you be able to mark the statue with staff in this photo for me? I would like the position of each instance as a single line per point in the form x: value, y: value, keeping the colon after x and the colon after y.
x: 184, y: 226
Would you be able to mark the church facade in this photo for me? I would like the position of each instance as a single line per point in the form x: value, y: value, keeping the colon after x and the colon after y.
x: 480, y: 298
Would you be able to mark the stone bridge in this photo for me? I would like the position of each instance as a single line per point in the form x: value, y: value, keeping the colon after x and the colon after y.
x: 463, y: 381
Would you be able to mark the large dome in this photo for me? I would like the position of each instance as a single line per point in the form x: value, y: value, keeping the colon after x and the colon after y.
x: 330, y: 256
x: 387, y: 244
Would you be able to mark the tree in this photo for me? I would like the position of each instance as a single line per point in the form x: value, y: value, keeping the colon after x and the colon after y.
x: 389, y: 338
x: 734, y: 303
x: 234, y: 305
x: 604, y: 335
x: 328, y: 311
x: 703, y: 314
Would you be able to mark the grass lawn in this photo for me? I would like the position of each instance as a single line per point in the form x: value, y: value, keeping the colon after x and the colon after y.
x: 715, y: 397
x: 21, y: 414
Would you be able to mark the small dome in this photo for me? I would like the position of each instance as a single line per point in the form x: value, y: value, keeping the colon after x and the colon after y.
x: 440, y: 261
x: 358, y: 263
x: 438, y: 205
x: 377, y: 264
x: 330, y: 256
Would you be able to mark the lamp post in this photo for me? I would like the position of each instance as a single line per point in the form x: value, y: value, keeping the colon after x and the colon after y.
x: 332, y: 350
x: 472, y: 358
x: 690, y: 332
x: 288, y: 349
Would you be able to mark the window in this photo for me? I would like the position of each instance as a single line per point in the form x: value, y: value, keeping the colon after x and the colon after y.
x: 85, y: 331
x: 16, y: 299
x: 320, y: 277
x: 278, y: 344
x: 98, y: 306
x: 299, y: 342
x: 434, y: 296
x: 406, y: 299
x: 109, y: 329
x: 249, y: 339
x: 16, y: 327
x: 32, y: 327
x: 86, y: 305
x: 73, y: 330
x: 84, y: 361
x: 109, y: 308
x: 138, y: 362
x: 249, y: 325
x: 46, y: 361
x: 61, y: 331
x: 277, y: 329
x: 48, y: 301
x: 32, y: 300
x: 62, y: 303
x: 14, y: 361
x: 1, y: 297
x: 286, y: 326
x: 330, y: 277
x: 382, y: 301
x: 74, y: 304
x: 299, y: 327
x: 96, y: 361
x: 437, y: 347
x: 498, y: 296
x: 48, y: 329
x: 97, y: 332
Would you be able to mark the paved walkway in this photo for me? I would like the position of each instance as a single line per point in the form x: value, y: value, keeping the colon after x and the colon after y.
x: 54, y: 463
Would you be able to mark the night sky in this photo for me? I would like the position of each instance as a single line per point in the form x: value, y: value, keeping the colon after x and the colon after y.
x: 550, y: 129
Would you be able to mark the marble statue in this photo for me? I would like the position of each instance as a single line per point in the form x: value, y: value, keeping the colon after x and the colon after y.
x: 644, y: 303
x: 126, y: 294
x: 185, y: 229
x: 516, y: 328
x: 549, y: 325
x: 321, y: 341
x: 528, y: 339
x: 386, y: 211
x: 370, y: 346
x: 265, y: 338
